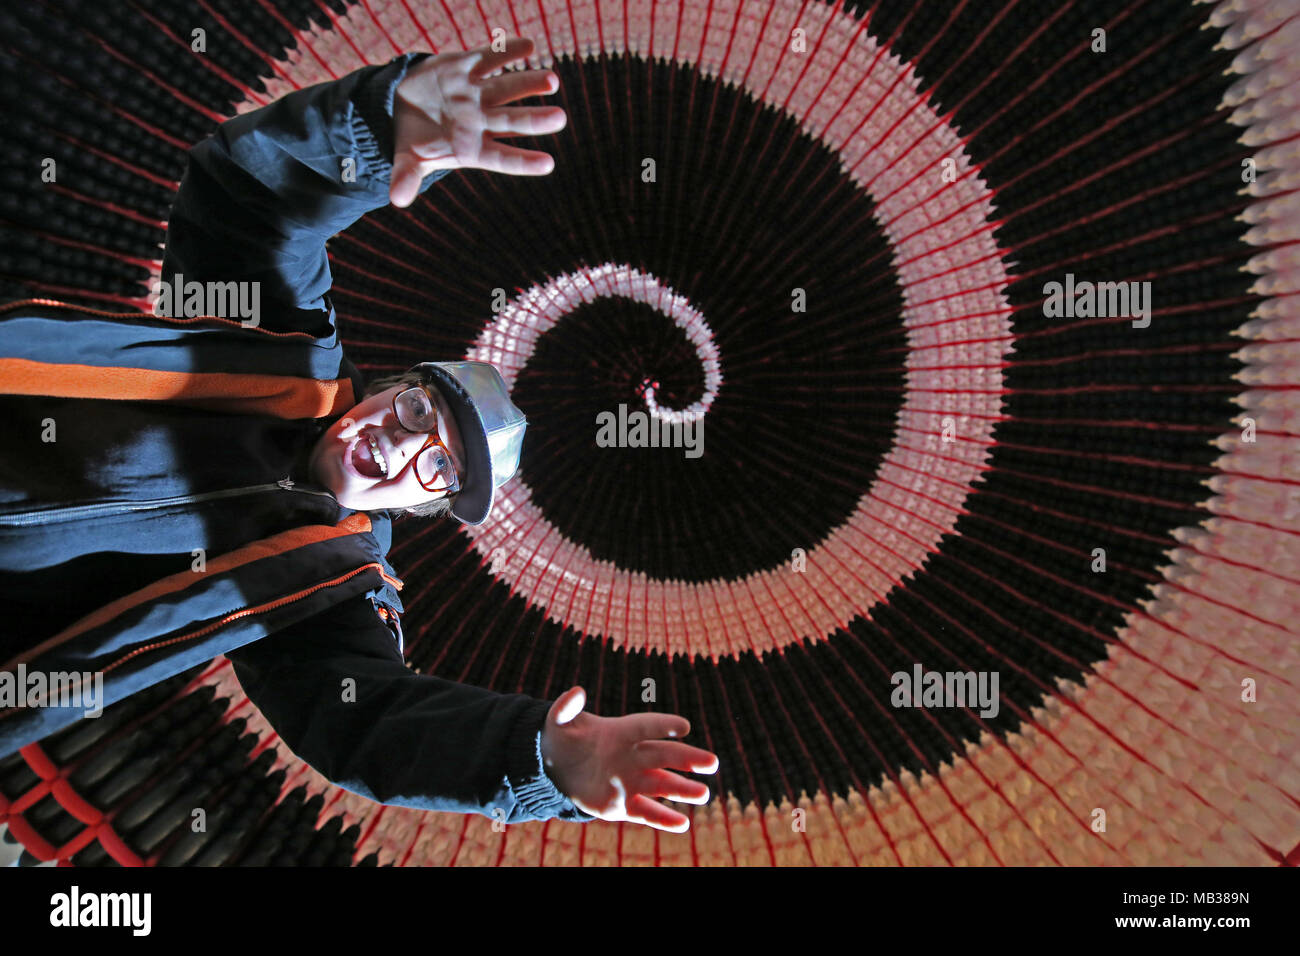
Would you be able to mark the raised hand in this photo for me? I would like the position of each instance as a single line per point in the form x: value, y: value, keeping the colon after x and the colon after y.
x: 614, y: 767
x: 448, y: 111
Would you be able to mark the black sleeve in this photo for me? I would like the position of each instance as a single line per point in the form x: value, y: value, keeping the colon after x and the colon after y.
x: 261, y: 196
x: 337, y: 691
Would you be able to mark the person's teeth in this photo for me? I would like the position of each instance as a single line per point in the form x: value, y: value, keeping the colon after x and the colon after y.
x: 378, y: 455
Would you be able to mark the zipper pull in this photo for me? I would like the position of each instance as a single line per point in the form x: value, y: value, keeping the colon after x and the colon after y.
x: 285, y: 483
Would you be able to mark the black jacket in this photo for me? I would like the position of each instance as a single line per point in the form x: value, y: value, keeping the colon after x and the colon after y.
x: 170, y: 517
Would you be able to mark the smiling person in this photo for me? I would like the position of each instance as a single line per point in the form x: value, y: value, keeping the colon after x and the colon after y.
x: 177, y: 489
x: 402, y: 445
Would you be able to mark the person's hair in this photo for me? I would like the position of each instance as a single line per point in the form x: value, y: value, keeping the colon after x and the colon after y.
x: 429, y: 509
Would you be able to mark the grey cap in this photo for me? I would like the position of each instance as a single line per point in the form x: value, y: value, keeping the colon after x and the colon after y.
x: 491, y: 429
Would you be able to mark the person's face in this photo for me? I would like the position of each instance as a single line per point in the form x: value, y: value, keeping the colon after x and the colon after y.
x: 343, y: 460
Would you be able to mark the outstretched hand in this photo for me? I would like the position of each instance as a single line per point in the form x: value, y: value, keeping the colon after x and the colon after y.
x: 448, y: 110
x: 613, y: 767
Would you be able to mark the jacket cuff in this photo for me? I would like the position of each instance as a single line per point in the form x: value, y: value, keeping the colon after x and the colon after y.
x: 526, y: 772
x: 371, y: 119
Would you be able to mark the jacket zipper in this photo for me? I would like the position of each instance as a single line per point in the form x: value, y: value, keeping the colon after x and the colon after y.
x: 74, y: 512
x: 245, y: 612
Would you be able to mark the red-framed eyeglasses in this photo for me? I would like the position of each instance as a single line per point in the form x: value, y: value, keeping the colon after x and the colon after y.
x: 416, y: 412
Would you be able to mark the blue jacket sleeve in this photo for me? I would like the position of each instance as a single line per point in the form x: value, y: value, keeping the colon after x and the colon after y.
x: 339, y: 694
x: 262, y: 195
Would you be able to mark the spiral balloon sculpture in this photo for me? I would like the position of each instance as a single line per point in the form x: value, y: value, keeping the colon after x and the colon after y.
x: 827, y: 240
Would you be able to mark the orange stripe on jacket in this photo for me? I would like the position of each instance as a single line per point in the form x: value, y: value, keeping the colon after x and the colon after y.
x: 280, y: 395
x: 267, y: 547
x: 271, y: 394
x: 277, y: 395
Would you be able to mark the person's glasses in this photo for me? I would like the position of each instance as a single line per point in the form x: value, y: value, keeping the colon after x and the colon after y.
x: 417, y: 413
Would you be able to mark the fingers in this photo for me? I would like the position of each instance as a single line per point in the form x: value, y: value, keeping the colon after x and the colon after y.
x: 503, y: 158
x: 673, y: 786
x: 517, y: 84
x: 525, y: 120
x: 404, y: 180
x: 668, y: 753
x: 653, y: 814
x: 516, y: 48
x: 655, y: 726
x: 569, y: 704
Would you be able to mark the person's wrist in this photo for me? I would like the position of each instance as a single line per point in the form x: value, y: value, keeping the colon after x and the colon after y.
x: 375, y: 102
x: 402, y: 89
x: 418, y: 103
x: 548, y: 748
